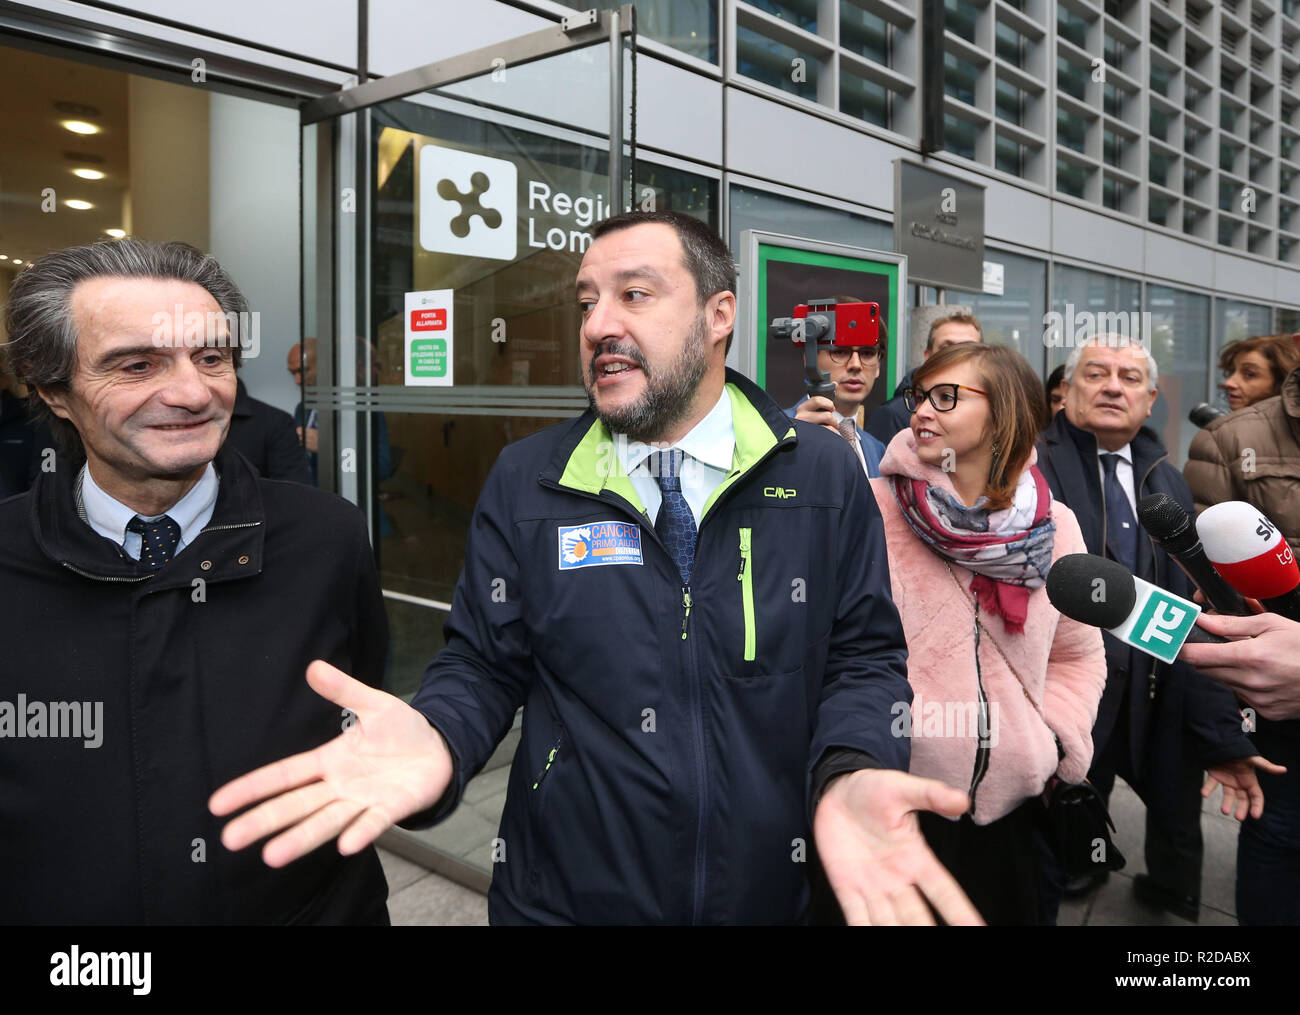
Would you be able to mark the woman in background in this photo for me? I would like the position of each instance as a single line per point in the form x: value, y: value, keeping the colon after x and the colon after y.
x: 1005, y: 688
x: 1254, y: 368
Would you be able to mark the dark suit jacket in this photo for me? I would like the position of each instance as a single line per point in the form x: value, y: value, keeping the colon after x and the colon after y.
x: 267, y: 437
x: 22, y: 442
x: 1186, y: 699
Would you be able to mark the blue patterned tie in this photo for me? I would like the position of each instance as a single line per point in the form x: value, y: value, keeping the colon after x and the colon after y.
x: 158, y: 540
x: 675, y: 524
x: 1121, y: 526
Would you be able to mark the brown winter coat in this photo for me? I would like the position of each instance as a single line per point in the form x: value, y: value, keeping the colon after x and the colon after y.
x: 1253, y: 454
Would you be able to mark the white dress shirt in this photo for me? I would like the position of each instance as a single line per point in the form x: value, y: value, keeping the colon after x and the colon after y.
x: 709, y: 449
x: 109, y: 517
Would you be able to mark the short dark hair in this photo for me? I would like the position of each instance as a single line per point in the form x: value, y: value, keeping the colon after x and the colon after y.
x: 705, y: 253
x: 1054, y: 380
x: 42, y: 347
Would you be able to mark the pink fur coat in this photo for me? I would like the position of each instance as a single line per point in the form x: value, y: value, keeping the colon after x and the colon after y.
x: 1061, y: 662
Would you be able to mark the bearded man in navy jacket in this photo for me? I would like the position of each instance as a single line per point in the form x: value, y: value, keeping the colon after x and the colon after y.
x: 687, y: 592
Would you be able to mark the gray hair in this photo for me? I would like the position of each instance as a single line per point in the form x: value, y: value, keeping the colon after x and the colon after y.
x: 42, y: 349
x: 1113, y: 341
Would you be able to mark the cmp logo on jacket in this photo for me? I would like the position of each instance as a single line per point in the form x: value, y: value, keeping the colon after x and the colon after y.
x: 599, y: 543
x: 469, y: 203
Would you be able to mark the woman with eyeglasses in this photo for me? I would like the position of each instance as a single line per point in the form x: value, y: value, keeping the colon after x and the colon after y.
x: 1005, y: 688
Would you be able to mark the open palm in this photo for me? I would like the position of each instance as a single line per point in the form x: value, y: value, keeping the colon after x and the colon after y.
x: 388, y: 765
x: 875, y: 857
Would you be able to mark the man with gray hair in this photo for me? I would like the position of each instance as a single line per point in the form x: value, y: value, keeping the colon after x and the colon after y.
x: 1157, y: 726
x: 155, y: 582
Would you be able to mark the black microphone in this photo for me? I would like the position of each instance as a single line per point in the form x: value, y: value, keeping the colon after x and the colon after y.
x: 1204, y: 414
x: 1102, y: 593
x: 1172, y: 528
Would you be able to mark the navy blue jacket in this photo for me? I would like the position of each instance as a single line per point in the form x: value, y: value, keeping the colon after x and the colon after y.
x: 872, y: 450
x: 1067, y: 456
x: 667, y: 750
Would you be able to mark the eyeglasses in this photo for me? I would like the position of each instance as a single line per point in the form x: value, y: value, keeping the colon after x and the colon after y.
x: 844, y: 353
x: 942, y: 396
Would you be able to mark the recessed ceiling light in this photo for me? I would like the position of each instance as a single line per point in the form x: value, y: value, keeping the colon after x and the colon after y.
x: 4, y: 257
x: 80, y: 127
x: 78, y: 204
x: 117, y: 234
x: 88, y: 174
x: 18, y: 260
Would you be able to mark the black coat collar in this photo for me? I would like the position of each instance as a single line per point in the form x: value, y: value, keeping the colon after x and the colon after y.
x: 235, y: 531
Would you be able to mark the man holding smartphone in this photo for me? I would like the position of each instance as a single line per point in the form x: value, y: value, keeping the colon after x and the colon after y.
x: 853, y: 370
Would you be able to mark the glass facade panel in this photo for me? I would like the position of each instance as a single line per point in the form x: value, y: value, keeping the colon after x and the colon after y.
x: 757, y: 209
x: 802, y: 13
x: 959, y: 77
x: 1235, y: 320
x: 1010, y: 102
x: 864, y: 33
x: 1071, y: 25
x: 1071, y: 179
x: 1015, y: 318
x: 688, y: 25
x: 1010, y: 45
x: 1180, y: 343
x: 959, y: 17
x: 959, y: 136
x: 1081, y: 297
x: 776, y: 64
x: 867, y: 100
x: 1072, y: 78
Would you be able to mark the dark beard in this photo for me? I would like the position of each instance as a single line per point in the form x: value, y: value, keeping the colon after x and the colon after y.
x: 668, y: 395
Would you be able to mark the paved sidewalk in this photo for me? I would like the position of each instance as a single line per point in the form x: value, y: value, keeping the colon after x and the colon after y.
x: 418, y: 897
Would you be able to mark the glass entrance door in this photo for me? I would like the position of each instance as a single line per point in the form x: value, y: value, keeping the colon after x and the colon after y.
x: 443, y: 229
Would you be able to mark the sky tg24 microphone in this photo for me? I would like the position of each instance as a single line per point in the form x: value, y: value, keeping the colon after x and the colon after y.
x: 1250, y: 552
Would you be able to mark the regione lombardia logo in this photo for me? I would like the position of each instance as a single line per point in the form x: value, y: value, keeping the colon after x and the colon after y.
x: 468, y: 203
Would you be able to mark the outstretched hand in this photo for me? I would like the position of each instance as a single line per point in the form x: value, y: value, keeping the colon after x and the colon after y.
x: 1241, y: 789
x: 875, y: 857
x: 390, y: 764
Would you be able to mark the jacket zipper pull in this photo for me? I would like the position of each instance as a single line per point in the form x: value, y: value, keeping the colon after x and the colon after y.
x: 686, y: 606
x: 744, y: 554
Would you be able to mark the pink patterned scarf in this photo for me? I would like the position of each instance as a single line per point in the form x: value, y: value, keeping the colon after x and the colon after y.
x: 1009, y: 550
